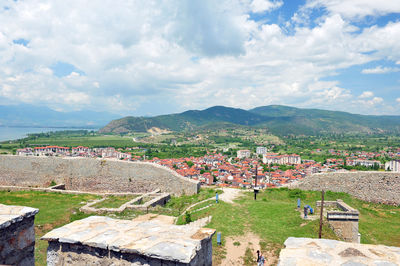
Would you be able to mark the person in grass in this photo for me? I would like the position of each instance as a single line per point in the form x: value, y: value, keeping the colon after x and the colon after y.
x: 260, y: 259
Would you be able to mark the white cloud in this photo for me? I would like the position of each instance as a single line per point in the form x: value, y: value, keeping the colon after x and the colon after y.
x: 369, y: 103
x: 259, y: 6
x: 380, y: 70
x: 366, y: 94
x: 144, y: 56
x: 398, y: 100
x: 377, y: 100
x: 357, y: 8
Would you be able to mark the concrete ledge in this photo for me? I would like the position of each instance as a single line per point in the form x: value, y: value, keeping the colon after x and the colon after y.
x: 344, y: 222
x: 17, y: 235
x: 122, y: 242
x: 324, y: 252
x: 157, y: 199
x: 11, y: 214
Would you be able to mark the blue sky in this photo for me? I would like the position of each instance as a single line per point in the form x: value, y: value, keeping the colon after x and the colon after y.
x: 154, y: 57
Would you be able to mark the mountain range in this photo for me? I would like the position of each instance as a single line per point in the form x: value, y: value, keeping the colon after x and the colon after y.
x: 278, y: 119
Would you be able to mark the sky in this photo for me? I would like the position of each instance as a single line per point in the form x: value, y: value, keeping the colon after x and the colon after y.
x: 145, y: 57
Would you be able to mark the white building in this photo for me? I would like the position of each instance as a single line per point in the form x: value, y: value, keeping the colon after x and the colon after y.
x: 243, y: 154
x: 25, y: 152
x: 366, y: 163
x: 393, y: 166
x: 274, y: 158
x: 261, y: 150
x: 80, y: 150
x: 51, y: 151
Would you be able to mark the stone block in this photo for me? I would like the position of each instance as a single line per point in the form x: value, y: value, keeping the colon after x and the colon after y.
x: 17, y: 235
x: 324, y: 252
x: 106, y: 241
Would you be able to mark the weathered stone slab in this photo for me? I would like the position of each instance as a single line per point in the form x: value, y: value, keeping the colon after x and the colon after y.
x: 17, y: 235
x: 11, y: 214
x: 309, y: 251
x: 132, y: 239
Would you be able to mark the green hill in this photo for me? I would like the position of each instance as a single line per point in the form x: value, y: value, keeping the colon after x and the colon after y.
x: 281, y: 120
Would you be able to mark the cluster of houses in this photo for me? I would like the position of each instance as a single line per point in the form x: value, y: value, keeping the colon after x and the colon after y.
x: 79, y: 151
x: 367, y: 159
x: 220, y: 170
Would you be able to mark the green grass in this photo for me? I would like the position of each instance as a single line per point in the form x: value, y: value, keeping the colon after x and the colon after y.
x: 176, y: 205
x: 203, y: 204
x: 114, y: 201
x: 273, y: 217
x: 55, y: 210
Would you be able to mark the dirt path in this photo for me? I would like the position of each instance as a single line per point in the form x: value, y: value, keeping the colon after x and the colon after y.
x: 236, y: 249
x: 230, y: 194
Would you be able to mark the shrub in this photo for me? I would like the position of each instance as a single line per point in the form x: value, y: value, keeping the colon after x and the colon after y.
x: 296, y: 193
x: 188, y: 218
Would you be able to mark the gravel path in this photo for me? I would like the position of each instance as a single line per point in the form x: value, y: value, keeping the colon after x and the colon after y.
x: 230, y: 194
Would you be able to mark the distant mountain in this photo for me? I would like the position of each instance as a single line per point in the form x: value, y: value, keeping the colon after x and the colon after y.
x: 29, y: 115
x: 281, y: 120
x: 291, y: 120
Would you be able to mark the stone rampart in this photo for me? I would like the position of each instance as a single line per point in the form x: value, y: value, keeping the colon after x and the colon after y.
x: 378, y: 187
x: 95, y: 175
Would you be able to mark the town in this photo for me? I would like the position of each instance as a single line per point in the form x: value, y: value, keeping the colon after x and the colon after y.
x: 248, y: 169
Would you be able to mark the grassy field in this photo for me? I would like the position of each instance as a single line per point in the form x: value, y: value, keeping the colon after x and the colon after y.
x: 273, y: 217
x: 114, y: 201
x: 55, y: 210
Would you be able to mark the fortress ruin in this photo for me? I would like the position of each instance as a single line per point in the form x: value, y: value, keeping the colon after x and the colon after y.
x: 93, y: 175
x: 373, y: 186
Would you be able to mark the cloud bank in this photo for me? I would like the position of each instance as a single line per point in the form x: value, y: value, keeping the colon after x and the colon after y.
x: 152, y: 57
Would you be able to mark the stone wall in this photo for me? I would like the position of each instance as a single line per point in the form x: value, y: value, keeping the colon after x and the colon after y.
x: 87, y: 174
x: 378, y: 187
x: 99, y: 240
x: 17, y: 235
x: 344, y: 222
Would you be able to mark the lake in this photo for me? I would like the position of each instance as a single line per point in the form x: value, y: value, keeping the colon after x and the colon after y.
x: 12, y: 133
